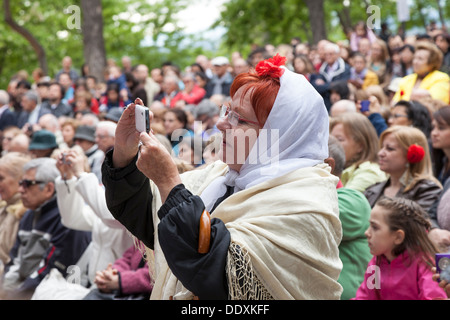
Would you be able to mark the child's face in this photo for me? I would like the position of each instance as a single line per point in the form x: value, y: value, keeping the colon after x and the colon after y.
x: 113, y: 95
x: 381, y: 239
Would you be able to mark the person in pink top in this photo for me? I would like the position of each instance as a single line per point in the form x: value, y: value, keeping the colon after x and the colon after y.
x: 127, y: 279
x: 403, y: 255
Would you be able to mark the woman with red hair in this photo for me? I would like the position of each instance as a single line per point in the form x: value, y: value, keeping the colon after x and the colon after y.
x: 262, y: 222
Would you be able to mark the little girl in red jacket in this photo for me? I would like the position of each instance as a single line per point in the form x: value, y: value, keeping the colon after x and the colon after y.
x: 401, y: 268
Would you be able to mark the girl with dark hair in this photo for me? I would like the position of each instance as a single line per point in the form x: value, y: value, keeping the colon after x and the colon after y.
x: 403, y: 254
x: 111, y: 98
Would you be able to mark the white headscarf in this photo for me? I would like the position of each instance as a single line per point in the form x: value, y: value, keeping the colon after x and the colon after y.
x: 295, y: 136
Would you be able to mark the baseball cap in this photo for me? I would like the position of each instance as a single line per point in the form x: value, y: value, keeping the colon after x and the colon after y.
x: 220, y: 61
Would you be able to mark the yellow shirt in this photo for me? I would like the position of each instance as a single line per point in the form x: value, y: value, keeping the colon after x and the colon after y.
x: 371, y: 79
x: 437, y: 83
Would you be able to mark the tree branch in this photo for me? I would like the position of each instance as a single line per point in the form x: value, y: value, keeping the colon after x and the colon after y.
x: 40, y: 52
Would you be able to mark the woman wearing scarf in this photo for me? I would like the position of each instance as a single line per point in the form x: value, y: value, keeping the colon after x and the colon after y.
x: 262, y: 224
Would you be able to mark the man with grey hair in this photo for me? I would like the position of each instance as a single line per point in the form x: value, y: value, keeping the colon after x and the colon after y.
x: 7, y: 117
x: 333, y: 69
x: 43, y: 243
x: 105, y: 134
x: 31, y: 110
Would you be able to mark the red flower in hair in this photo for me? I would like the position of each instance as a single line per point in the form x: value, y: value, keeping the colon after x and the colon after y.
x: 415, y: 153
x: 271, y: 66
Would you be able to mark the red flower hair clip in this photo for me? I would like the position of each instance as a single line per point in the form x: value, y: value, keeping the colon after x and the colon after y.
x: 271, y: 67
x: 415, y: 154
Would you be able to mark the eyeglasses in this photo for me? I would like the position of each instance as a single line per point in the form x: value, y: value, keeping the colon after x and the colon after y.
x: 397, y: 115
x: 232, y: 117
x: 28, y: 183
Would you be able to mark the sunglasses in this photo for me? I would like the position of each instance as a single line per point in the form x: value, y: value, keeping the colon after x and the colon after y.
x: 28, y: 183
x: 233, y: 118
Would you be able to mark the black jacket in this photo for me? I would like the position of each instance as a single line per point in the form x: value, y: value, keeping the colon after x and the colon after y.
x: 42, y: 244
x: 129, y: 200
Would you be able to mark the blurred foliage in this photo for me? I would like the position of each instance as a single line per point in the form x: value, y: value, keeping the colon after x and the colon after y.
x: 147, y: 31
x: 131, y: 27
x: 265, y: 21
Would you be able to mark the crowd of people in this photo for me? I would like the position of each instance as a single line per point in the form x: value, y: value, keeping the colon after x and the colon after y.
x: 383, y: 100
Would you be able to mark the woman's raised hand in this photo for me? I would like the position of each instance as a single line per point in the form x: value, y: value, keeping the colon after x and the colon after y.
x: 126, y: 144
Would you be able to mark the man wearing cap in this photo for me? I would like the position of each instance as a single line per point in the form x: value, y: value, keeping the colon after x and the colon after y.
x: 42, y: 144
x: 221, y: 81
x: 85, y: 138
x: 114, y: 114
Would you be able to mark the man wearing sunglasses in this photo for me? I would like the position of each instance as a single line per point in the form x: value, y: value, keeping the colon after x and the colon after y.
x: 42, y: 243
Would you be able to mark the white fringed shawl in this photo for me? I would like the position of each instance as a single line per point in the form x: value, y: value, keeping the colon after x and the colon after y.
x: 289, y: 226
x: 284, y: 212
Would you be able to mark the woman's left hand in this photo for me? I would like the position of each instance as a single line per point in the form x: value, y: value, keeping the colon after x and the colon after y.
x: 156, y: 163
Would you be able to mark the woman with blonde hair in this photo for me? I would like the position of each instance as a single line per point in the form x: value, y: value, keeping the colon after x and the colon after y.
x: 11, y: 208
x: 360, y: 141
x: 404, y: 155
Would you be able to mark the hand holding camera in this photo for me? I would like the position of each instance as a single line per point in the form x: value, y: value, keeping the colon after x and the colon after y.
x: 63, y: 165
x: 126, y: 144
x: 369, y: 106
x: 70, y: 163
